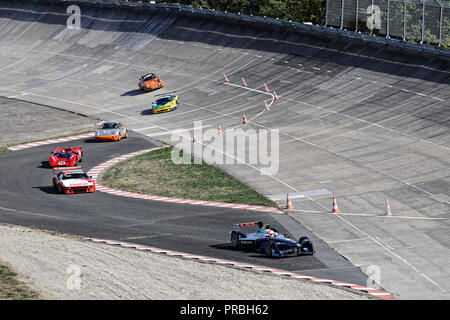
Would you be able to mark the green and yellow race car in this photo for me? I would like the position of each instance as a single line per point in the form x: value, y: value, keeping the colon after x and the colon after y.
x: 166, y: 103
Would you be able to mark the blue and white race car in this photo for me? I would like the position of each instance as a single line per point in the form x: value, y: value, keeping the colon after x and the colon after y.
x: 269, y: 241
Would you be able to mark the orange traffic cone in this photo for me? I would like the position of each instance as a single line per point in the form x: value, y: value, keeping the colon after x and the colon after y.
x: 267, y: 107
x: 219, y: 130
x: 265, y: 87
x: 243, y: 82
x: 387, y: 212
x: 244, y: 119
x: 275, y: 94
x: 289, y: 205
x: 335, y: 207
x: 226, y: 79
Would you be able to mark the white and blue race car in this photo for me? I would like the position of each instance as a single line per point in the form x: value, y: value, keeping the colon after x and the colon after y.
x: 269, y: 241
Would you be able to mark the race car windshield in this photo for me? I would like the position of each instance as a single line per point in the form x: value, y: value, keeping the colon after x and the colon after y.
x: 149, y: 77
x: 163, y: 100
x: 110, y: 126
x: 75, y: 176
x: 63, y: 155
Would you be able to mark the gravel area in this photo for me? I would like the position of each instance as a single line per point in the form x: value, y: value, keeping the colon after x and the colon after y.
x: 49, y: 264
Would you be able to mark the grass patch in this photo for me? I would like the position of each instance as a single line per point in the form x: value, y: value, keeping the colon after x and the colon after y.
x: 154, y: 173
x: 13, y: 289
x: 4, y: 147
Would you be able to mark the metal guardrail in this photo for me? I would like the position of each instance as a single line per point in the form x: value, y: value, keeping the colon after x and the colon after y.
x: 296, y: 26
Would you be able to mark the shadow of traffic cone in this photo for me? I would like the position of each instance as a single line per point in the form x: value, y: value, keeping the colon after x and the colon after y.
x: 243, y: 82
x: 226, y: 79
x: 266, y: 88
x: 244, y: 119
x: 289, y: 205
x: 275, y: 94
x: 387, y: 212
x: 266, y: 106
x: 335, y: 206
x: 219, y: 130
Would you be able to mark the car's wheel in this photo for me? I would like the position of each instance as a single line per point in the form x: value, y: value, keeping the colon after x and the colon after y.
x: 303, y: 239
x: 235, y: 241
x: 271, y: 250
x: 306, y: 242
x: 268, y: 249
x: 59, y: 188
x: 126, y: 134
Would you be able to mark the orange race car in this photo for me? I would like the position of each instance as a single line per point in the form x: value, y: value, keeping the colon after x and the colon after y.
x: 150, y: 82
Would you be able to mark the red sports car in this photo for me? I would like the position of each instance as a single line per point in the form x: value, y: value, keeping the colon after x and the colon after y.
x: 67, y: 157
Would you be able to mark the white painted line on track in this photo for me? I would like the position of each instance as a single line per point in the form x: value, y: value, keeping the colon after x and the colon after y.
x: 145, y: 128
x: 347, y: 240
x: 18, y: 95
x: 176, y: 131
x: 374, y: 215
x: 303, y: 194
x: 12, y: 64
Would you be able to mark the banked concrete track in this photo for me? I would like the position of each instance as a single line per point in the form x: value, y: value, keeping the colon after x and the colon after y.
x: 357, y: 119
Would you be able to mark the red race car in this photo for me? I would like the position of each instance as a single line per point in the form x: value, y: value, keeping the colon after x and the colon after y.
x: 72, y: 180
x: 67, y: 157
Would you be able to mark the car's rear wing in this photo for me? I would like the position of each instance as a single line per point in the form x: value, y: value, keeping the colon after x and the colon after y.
x: 63, y: 169
x: 245, y: 224
x: 73, y: 149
